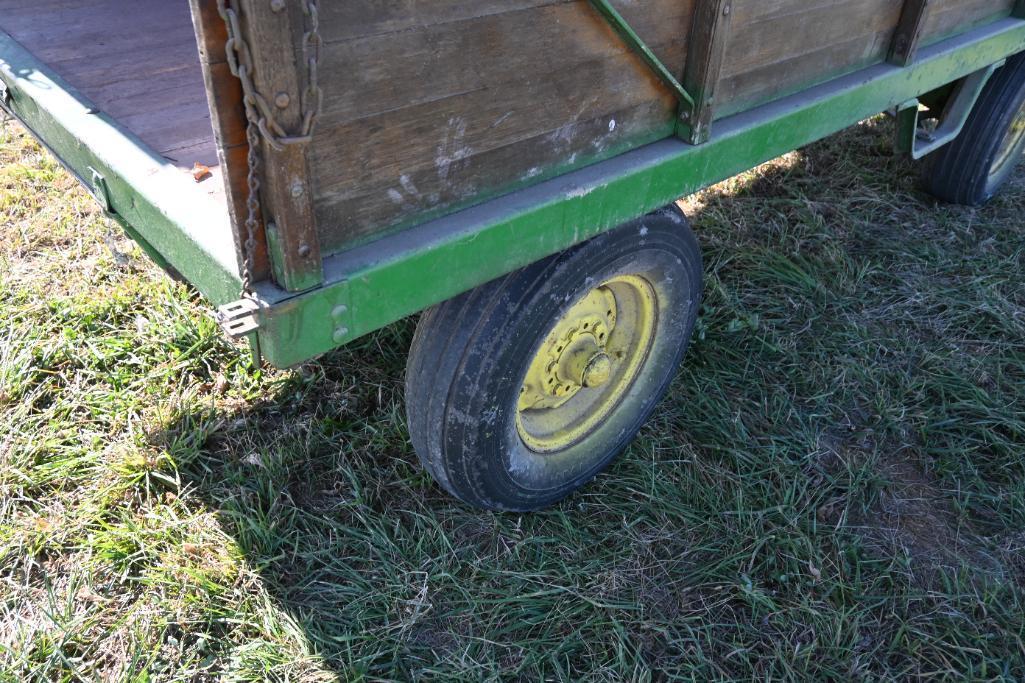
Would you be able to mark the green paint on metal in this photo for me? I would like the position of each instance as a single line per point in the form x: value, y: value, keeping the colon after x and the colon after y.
x: 626, y: 32
x: 398, y: 276
x: 174, y: 219
x: 918, y: 143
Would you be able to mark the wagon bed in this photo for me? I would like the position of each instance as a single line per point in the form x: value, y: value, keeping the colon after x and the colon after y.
x: 370, y: 160
x: 141, y: 67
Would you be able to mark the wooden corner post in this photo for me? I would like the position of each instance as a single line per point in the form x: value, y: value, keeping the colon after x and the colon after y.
x: 228, y: 118
x: 274, y: 32
x: 908, y: 36
x: 706, y: 55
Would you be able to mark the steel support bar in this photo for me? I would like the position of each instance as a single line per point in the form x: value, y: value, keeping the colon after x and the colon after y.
x: 908, y: 35
x: 384, y: 281
x: 920, y: 143
x: 171, y: 217
x: 630, y: 37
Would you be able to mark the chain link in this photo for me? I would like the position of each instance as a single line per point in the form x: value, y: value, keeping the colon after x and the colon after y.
x: 260, y: 119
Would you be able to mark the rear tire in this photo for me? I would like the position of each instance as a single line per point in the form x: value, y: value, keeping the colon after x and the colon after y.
x: 973, y: 168
x: 524, y: 389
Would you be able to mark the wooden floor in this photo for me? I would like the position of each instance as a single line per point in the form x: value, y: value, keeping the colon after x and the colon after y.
x: 137, y: 61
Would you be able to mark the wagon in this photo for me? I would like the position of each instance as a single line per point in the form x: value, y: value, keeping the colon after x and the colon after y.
x: 319, y: 169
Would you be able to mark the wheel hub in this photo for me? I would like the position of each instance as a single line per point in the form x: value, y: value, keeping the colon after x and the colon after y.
x: 598, y: 371
x: 586, y: 363
x: 573, y: 356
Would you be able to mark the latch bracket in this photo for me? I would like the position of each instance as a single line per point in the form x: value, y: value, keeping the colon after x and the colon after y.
x: 101, y: 192
x: 5, y: 101
x: 239, y: 318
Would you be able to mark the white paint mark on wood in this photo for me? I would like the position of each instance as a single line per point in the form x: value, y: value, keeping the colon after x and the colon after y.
x: 408, y: 186
x: 452, y: 148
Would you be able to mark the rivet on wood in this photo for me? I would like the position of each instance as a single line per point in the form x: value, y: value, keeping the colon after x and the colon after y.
x: 298, y: 189
x: 341, y: 334
x: 277, y: 5
x: 304, y: 250
x: 339, y: 311
x: 282, y: 100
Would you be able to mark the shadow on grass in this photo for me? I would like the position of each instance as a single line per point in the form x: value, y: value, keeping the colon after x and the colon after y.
x: 833, y: 489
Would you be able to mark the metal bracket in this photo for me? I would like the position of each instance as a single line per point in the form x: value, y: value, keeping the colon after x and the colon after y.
x: 239, y: 318
x: 101, y: 192
x: 5, y: 102
x: 919, y: 142
x: 630, y: 37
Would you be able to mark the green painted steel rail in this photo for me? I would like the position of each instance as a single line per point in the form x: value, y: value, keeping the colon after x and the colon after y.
x: 384, y: 281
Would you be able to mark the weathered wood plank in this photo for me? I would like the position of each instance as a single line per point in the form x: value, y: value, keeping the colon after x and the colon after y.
x: 948, y: 17
x: 227, y: 113
x: 779, y: 46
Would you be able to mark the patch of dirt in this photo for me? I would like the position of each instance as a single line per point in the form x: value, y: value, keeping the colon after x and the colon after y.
x: 913, y: 517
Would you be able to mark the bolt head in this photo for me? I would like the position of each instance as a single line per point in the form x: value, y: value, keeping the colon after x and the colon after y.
x: 277, y: 5
x: 282, y: 100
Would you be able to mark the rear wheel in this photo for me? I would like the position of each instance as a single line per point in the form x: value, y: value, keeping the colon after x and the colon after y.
x: 972, y: 169
x: 524, y: 389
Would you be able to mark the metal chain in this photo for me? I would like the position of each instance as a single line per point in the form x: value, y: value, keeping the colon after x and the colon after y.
x: 260, y: 114
x: 252, y: 209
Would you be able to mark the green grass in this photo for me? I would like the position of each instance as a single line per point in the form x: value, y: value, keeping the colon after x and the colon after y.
x: 835, y: 488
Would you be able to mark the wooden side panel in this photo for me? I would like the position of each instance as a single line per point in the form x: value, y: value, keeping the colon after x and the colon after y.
x: 780, y: 46
x: 949, y: 17
x: 432, y: 105
x: 435, y: 104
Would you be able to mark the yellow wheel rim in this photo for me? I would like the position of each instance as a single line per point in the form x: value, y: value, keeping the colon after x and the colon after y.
x: 587, y: 363
x: 1009, y: 145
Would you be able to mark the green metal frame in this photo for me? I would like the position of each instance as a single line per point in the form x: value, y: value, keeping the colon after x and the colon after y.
x: 160, y: 206
x: 917, y: 143
x: 387, y: 280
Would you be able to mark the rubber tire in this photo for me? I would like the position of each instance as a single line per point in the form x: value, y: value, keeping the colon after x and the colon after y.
x: 959, y: 173
x: 469, y: 356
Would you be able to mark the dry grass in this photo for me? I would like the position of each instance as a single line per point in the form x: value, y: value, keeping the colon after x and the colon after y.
x: 834, y: 489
